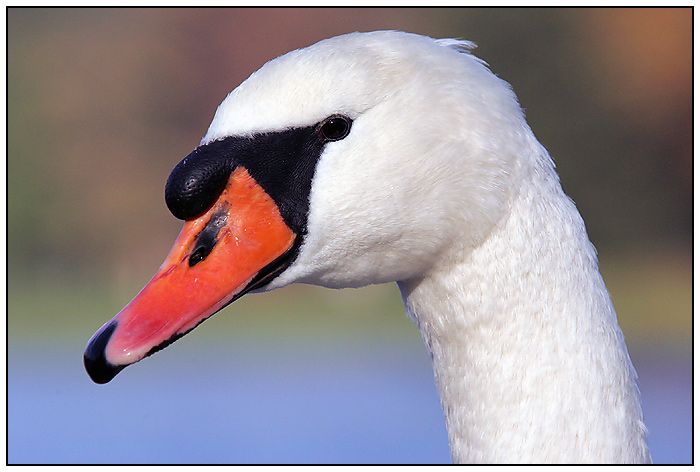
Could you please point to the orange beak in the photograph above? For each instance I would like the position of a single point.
(217, 257)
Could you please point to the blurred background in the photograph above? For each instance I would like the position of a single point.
(102, 103)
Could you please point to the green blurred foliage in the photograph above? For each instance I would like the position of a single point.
(102, 103)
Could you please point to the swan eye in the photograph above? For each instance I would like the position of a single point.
(334, 128)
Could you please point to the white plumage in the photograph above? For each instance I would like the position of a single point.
(442, 187)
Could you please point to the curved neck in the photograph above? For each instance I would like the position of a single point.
(529, 361)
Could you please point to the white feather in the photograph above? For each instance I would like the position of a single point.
(442, 187)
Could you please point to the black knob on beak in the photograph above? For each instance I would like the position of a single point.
(197, 181)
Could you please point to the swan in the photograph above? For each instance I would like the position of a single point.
(393, 157)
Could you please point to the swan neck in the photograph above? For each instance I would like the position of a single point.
(529, 361)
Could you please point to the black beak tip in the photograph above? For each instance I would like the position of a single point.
(96, 364)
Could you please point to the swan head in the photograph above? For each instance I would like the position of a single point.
(363, 159)
(429, 161)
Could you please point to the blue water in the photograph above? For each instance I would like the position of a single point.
(248, 404)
